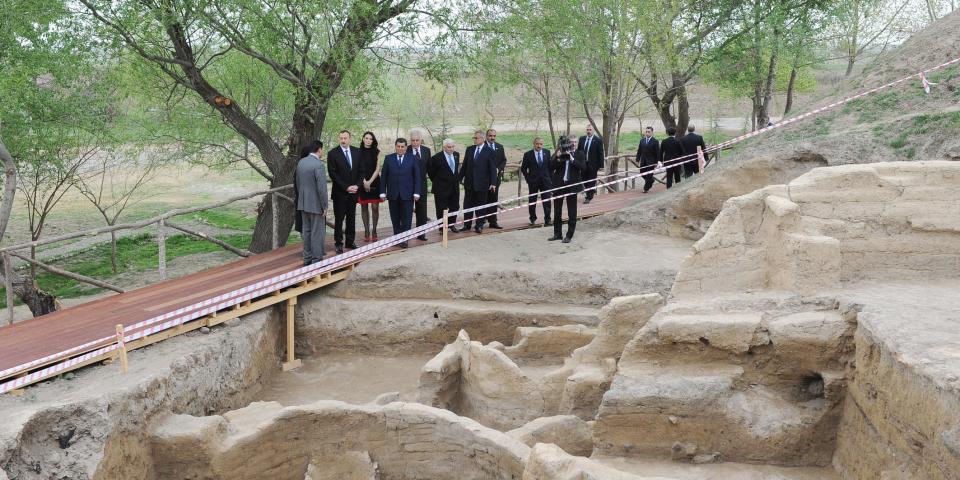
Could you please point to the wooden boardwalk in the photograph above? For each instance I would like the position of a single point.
(32, 339)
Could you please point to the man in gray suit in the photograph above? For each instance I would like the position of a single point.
(310, 184)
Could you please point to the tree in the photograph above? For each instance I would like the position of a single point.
(863, 24)
(52, 115)
(313, 47)
(111, 189)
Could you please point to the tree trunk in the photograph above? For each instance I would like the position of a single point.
(39, 302)
(683, 108)
(790, 86)
(763, 116)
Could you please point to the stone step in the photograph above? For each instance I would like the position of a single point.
(682, 411)
(421, 325)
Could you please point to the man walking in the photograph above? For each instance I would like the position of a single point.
(499, 159)
(444, 172)
(592, 147)
(421, 154)
(310, 193)
(400, 185)
(346, 177)
(567, 167)
(670, 150)
(648, 155)
(690, 143)
(479, 176)
(535, 170)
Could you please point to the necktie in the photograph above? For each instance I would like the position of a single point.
(346, 152)
(566, 172)
(400, 159)
(587, 148)
(539, 160)
(416, 153)
(477, 153)
(453, 167)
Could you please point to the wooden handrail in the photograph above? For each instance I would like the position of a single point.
(142, 223)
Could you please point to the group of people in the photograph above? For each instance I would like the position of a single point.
(401, 179)
(672, 153)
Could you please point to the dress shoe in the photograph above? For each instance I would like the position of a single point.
(586, 201)
(547, 223)
(339, 249)
(403, 244)
(555, 238)
(478, 229)
(496, 225)
(422, 238)
(466, 227)
(533, 222)
(352, 246)
(567, 239)
(454, 230)
(374, 238)
(366, 239)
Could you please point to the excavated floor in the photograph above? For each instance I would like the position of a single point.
(348, 377)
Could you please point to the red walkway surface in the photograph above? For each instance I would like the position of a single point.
(38, 337)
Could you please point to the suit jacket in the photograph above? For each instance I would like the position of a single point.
(444, 181)
(537, 176)
(310, 185)
(478, 172)
(499, 159)
(648, 153)
(594, 157)
(342, 174)
(423, 161)
(690, 143)
(578, 165)
(400, 181)
(670, 149)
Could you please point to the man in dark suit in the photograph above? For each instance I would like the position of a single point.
(670, 151)
(648, 155)
(567, 167)
(444, 171)
(421, 154)
(310, 198)
(400, 185)
(592, 147)
(479, 177)
(535, 170)
(690, 143)
(345, 173)
(499, 159)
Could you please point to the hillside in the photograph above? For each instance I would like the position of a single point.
(901, 123)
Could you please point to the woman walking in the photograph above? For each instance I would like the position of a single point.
(370, 194)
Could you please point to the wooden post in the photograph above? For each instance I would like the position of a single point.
(8, 285)
(122, 349)
(291, 362)
(162, 246)
(446, 226)
(273, 220)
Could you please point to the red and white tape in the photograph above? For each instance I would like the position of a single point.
(191, 312)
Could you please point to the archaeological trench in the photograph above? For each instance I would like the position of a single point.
(812, 332)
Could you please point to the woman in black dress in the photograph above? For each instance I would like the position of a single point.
(370, 193)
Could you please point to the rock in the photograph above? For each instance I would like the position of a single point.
(673, 419)
(385, 398)
(69, 376)
(204, 330)
(568, 432)
(706, 458)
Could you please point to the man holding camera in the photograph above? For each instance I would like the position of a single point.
(567, 167)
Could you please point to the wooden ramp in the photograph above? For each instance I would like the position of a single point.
(40, 337)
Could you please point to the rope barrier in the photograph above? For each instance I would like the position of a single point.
(191, 312)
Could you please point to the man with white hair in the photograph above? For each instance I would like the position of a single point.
(444, 172)
(421, 154)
